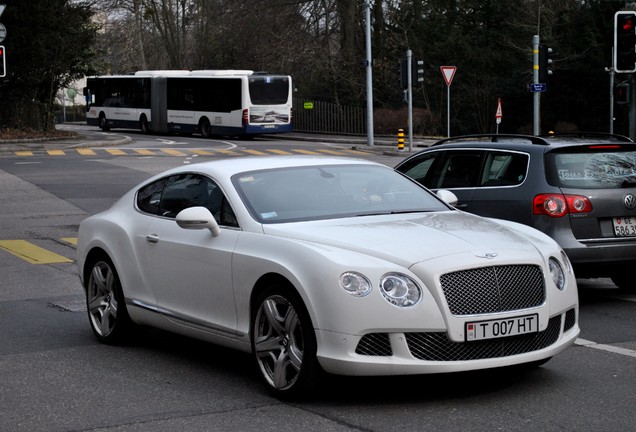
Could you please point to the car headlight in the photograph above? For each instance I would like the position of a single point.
(557, 273)
(400, 290)
(355, 284)
(566, 262)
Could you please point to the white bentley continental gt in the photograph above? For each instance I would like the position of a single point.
(320, 264)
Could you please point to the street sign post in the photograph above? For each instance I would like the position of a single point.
(498, 114)
(538, 87)
(448, 72)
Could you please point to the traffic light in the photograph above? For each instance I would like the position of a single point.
(3, 62)
(417, 71)
(545, 62)
(625, 42)
(404, 79)
(621, 93)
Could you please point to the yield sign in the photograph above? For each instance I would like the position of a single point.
(449, 73)
(499, 113)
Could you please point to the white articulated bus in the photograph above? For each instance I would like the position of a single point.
(209, 102)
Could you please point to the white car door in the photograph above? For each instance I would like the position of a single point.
(190, 271)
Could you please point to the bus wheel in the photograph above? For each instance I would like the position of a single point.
(205, 128)
(143, 124)
(103, 123)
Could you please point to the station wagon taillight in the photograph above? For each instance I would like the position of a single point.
(558, 205)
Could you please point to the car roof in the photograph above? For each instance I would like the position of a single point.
(229, 167)
(527, 142)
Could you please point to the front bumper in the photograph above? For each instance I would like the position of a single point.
(412, 353)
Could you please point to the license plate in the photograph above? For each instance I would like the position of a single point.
(624, 226)
(498, 328)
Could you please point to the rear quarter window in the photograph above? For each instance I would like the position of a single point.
(592, 168)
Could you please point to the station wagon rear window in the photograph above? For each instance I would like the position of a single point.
(597, 167)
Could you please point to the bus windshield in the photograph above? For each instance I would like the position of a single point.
(269, 90)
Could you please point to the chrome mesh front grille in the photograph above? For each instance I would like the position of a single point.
(493, 289)
(375, 344)
(437, 346)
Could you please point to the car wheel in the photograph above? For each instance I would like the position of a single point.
(107, 312)
(623, 280)
(284, 344)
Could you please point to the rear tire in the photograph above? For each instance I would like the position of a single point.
(205, 128)
(284, 344)
(143, 125)
(107, 313)
(103, 123)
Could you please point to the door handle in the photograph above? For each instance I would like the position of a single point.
(152, 238)
(458, 206)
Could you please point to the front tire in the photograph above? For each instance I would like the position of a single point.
(103, 123)
(143, 125)
(205, 128)
(107, 312)
(284, 344)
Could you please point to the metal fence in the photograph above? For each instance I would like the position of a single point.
(327, 117)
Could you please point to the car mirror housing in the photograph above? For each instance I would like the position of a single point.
(198, 218)
(447, 196)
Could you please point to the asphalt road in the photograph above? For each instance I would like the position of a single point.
(54, 376)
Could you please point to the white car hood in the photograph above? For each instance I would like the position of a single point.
(409, 239)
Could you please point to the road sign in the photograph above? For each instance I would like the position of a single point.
(499, 113)
(308, 105)
(539, 87)
(449, 73)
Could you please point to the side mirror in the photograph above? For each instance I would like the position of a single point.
(198, 218)
(448, 197)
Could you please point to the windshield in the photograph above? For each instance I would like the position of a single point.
(327, 192)
(594, 169)
(269, 90)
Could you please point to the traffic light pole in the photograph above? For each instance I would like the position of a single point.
(536, 120)
(409, 81)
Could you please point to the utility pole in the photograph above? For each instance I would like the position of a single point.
(536, 121)
(369, 64)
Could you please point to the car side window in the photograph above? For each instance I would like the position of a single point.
(167, 197)
(419, 167)
(149, 197)
(460, 169)
(504, 169)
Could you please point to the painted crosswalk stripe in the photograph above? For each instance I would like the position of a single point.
(86, 152)
(280, 152)
(173, 152)
(144, 152)
(255, 152)
(604, 347)
(70, 240)
(24, 153)
(333, 152)
(32, 253)
(55, 152)
(229, 152)
(116, 152)
(202, 152)
(307, 152)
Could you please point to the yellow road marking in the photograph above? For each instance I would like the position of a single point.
(355, 151)
(202, 152)
(229, 152)
(86, 152)
(55, 152)
(280, 152)
(173, 152)
(255, 152)
(32, 253)
(70, 240)
(24, 153)
(144, 152)
(333, 152)
(116, 152)
(307, 152)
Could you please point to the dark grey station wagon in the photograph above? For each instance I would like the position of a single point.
(580, 189)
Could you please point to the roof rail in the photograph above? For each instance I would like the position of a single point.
(495, 138)
(617, 137)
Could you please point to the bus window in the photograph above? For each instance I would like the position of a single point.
(269, 90)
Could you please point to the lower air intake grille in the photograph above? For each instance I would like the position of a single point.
(570, 320)
(493, 289)
(437, 346)
(374, 344)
